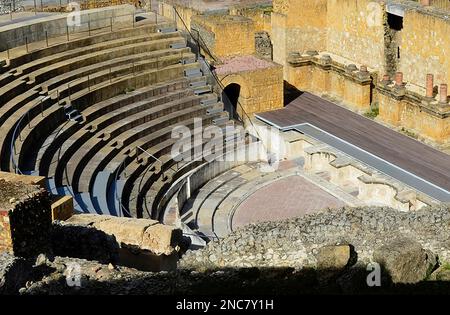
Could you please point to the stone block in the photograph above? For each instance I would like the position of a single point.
(405, 260)
(161, 239)
(126, 230)
(333, 257)
(62, 208)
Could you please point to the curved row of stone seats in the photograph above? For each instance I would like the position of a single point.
(148, 160)
(78, 109)
(133, 171)
(87, 93)
(25, 88)
(19, 80)
(154, 190)
(127, 133)
(93, 175)
(208, 211)
(145, 182)
(107, 126)
(176, 198)
(16, 106)
(46, 53)
(72, 135)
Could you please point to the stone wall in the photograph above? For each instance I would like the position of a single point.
(261, 83)
(140, 243)
(401, 107)
(425, 47)
(231, 35)
(356, 31)
(26, 219)
(259, 15)
(323, 74)
(298, 26)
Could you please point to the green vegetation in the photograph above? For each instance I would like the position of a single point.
(128, 90)
(409, 133)
(446, 266)
(372, 113)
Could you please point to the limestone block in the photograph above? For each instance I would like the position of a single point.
(161, 239)
(126, 230)
(333, 257)
(62, 208)
(87, 219)
(405, 260)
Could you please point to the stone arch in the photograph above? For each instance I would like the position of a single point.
(236, 84)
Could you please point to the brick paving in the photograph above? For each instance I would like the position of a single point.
(289, 197)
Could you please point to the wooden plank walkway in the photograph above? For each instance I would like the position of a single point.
(394, 147)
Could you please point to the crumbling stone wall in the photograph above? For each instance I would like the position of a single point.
(263, 45)
(26, 219)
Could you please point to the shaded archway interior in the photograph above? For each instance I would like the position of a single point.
(230, 98)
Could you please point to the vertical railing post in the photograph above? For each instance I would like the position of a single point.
(10, 10)
(20, 133)
(46, 38)
(35, 8)
(134, 18)
(89, 26)
(67, 32)
(110, 18)
(26, 42)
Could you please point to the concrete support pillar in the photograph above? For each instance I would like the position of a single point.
(399, 79)
(430, 85)
(443, 92)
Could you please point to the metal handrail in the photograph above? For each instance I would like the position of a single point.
(10, 44)
(18, 130)
(118, 199)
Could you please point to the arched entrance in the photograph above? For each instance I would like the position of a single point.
(230, 97)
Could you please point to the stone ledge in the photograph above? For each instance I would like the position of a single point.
(142, 234)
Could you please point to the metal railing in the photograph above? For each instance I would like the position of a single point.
(18, 129)
(58, 35)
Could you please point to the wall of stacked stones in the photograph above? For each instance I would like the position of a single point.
(26, 225)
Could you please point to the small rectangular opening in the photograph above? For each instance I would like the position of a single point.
(395, 22)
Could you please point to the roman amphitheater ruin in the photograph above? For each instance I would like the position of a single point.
(135, 131)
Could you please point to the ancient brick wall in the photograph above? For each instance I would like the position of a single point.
(5, 232)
